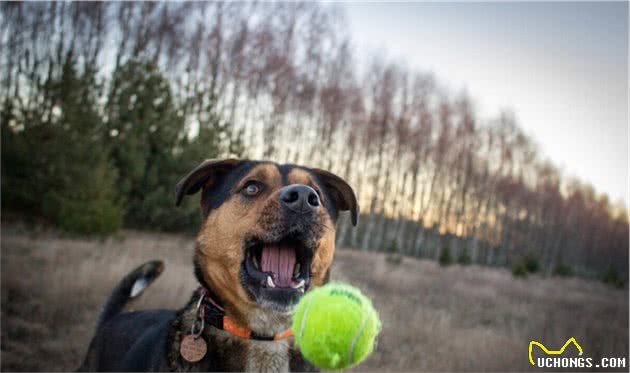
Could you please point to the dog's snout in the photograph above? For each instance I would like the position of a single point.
(299, 198)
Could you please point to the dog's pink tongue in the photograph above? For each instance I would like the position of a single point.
(279, 260)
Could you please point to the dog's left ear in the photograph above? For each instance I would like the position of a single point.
(340, 191)
(206, 175)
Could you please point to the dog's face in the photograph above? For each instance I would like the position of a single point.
(269, 230)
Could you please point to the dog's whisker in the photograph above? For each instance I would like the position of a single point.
(323, 225)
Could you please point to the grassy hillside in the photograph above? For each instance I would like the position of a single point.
(434, 319)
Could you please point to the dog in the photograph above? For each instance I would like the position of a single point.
(267, 237)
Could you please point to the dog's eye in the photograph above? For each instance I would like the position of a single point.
(251, 189)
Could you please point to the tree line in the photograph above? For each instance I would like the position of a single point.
(106, 105)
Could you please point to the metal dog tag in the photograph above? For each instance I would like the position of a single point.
(193, 348)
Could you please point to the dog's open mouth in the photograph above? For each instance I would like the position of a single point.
(277, 270)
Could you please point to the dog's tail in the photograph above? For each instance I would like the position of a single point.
(130, 287)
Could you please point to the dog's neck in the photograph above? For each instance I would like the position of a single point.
(269, 321)
(260, 319)
(244, 354)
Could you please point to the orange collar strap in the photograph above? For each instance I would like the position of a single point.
(233, 328)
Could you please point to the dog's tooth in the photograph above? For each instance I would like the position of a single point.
(255, 262)
(270, 282)
(296, 270)
(300, 285)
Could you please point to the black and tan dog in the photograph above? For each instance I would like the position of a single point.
(268, 237)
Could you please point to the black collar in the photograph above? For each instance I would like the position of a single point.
(211, 312)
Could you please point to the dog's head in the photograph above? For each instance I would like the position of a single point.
(269, 230)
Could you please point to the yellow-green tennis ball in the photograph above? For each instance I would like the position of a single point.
(335, 326)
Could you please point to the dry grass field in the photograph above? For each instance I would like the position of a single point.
(434, 319)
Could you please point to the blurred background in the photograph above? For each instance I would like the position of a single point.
(487, 143)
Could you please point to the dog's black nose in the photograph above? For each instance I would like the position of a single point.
(299, 198)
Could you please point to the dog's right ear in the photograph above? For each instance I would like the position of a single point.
(206, 175)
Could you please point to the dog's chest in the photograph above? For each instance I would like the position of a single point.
(267, 356)
(231, 353)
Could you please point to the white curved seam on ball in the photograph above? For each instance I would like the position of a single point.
(308, 305)
(355, 339)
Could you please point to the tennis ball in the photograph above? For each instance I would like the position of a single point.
(335, 326)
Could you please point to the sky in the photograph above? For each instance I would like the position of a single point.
(562, 68)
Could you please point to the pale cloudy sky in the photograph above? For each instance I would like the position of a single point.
(561, 67)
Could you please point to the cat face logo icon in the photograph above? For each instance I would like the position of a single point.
(553, 352)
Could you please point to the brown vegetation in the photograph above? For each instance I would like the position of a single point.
(465, 318)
